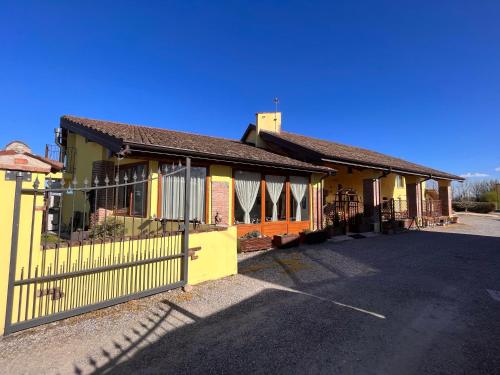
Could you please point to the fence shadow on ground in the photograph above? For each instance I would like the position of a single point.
(283, 331)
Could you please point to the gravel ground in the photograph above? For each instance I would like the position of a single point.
(412, 303)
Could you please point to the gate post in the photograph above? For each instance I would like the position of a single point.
(13, 249)
(185, 238)
(18, 170)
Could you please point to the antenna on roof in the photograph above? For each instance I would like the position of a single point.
(276, 102)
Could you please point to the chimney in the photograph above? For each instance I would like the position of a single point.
(269, 122)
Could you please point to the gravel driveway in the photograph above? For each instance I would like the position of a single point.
(412, 303)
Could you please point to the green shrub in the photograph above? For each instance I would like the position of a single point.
(253, 234)
(490, 196)
(109, 228)
(478, 207)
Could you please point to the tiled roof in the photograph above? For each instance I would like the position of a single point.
(26, 161)
(146, 137)
(341, 152)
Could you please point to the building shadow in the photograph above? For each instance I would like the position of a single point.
(408, 303)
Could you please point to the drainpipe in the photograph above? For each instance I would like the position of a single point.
(57, 140)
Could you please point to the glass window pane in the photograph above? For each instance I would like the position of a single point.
(247, 208)
(280, 206)
(299, 189)
(255, 212)
(173, 195)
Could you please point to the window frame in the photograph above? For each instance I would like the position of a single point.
(285, 187)
(400, 181)
(307, 196)
(127, 211)
(288, 195)
(208, 180)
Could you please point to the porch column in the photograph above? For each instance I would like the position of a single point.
(445, 197)
(317, 201)
(371, 201)
(414, 198)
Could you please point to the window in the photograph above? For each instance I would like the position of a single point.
(275, 198)
(172, 193)
(247, 186)
(132, 198)
(299, 187)
(400, 182)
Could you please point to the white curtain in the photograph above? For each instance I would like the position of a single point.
(298, 186)
(173, 195)
(246, 185)
(274, 185)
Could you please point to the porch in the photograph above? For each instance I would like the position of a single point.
(362, 199)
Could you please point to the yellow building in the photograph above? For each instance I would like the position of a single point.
(368, 185)
(116, 224)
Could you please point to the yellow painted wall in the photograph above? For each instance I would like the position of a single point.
(7, 192)
(352, 180)
(267, 121)
(217, 257)
(389, 189)
(355, 179)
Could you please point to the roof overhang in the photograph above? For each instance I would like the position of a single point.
(389, 169)
(139, 148)
(111, 143)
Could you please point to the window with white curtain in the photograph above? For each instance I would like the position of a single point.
(299, 188)
(173, 194)
(247, 208)
(400, 182)
(275, 198)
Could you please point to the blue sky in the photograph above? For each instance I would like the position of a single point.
(414, 79)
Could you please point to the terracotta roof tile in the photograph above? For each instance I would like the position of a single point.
(189, 143)
(342, 152)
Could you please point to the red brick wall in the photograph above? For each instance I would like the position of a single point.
(414, 199)
(445, 197)
(98, 216)
(220, 202)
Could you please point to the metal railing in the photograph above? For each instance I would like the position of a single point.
(95, 257)
(64, 155)
(346, 212)
(431, 208)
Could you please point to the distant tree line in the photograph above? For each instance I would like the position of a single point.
(476, 195)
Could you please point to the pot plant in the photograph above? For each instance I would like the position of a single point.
(284, 241)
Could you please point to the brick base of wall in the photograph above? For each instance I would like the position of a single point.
(255, 244)
(220, 202)
(98, 216)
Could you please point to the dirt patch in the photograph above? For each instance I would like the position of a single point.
(184, 297)
(255, 268)
(293, 264)
(289, 263)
